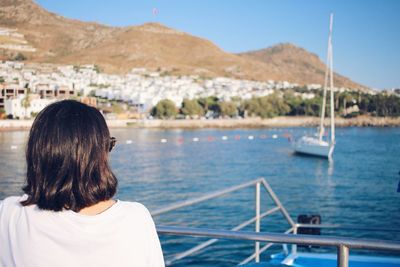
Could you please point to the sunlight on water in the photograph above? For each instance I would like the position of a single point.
(358, 187)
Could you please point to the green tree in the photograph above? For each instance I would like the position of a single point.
(380, 104)
(164, 109)
(117, 108)
(346, 98)
(191, 107)
(210, 104)
(267, 106)
(301, 107)
(386, 105)
(279, 105)
(228, 109)
(97, 69)
(92, 93)
(236, 99)
(26, 101)
(259, 106)
(294, 102)
(364, 104)
(313, 106)
(34, 114)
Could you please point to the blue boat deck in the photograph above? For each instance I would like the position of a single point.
(327, 260)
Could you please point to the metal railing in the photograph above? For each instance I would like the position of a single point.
(343, 244)
(346, 227)
(256, 219)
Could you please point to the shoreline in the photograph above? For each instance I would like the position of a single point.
(277, 122)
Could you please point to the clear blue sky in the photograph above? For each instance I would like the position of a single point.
(366, 38)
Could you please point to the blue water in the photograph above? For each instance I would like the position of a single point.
(357, 188)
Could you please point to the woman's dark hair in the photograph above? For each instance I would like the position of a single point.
(67, 158)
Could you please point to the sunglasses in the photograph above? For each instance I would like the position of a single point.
(113, 140)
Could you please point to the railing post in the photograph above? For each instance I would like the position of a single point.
(257, 223)
(342, 256)
(294, 246)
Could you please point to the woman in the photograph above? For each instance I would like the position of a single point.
(67, 216)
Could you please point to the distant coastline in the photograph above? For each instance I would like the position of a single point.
(277, 122)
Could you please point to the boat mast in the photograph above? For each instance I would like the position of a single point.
(321, 125)
(328, 73)
(331, 83)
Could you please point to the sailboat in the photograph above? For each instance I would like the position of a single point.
(316, 145)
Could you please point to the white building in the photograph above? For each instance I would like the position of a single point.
(15, 107)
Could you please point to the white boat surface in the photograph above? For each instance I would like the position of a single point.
(314, 146)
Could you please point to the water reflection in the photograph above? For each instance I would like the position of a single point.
(324, 168)
(331, 167)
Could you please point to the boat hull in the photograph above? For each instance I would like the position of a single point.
(313, 147)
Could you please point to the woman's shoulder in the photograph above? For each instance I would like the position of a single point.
(133, 206)
(12, 202)
(9, 206)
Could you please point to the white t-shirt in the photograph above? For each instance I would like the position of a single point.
(123, 235)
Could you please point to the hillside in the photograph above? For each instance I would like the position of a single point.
(46, 37)
(296, 62)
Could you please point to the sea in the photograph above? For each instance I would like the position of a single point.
(161, 167)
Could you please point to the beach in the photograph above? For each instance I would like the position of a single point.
(285, 121)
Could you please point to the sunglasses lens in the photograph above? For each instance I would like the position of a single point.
(112, 143)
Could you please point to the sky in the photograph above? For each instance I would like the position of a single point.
(366, 33)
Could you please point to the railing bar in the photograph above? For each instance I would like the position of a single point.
(277, 202)
(248, 259)
(269, 212)
(215, 194)
(262, 215)
(345, 227)
(267, 246)
(264, 248)
(284, 238)
(212, 241)
(192, 250)
(251, 257)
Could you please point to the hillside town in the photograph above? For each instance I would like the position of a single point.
(28, 88)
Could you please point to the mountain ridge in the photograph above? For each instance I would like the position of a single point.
(295, 61)
(61, 40)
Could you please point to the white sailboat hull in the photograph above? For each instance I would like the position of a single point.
(314, 147)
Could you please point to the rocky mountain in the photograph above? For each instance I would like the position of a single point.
(42, 36)
(296, 62)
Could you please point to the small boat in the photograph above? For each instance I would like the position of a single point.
(316, 145)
